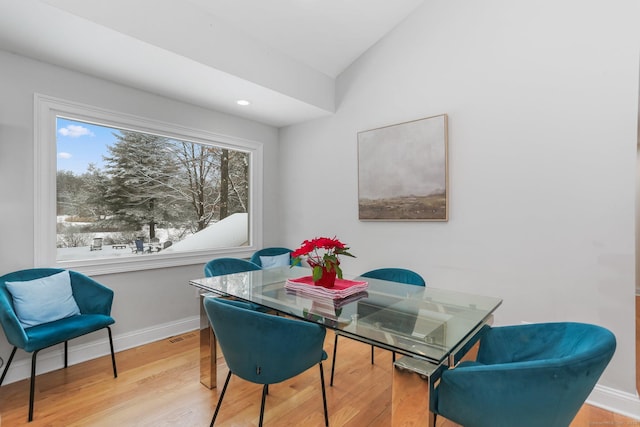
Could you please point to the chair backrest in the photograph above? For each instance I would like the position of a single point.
(263, 348)
(269, 252)
(541, 342)
(90, 296)
(221, 266)
(401, 275)
(527, 375)
(375, 308)
(12, 327)
(166, 244)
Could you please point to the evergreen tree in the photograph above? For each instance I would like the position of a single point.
(96, 185)
(142, 169)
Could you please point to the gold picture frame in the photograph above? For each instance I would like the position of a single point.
(403, 171)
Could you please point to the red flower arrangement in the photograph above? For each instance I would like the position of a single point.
(322, 255)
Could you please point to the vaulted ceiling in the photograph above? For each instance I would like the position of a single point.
(281, 55)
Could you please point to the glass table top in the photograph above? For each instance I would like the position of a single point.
(421, 322)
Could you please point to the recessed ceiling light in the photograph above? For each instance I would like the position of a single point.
(243, 102)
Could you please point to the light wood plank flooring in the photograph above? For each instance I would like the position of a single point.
(158, 385)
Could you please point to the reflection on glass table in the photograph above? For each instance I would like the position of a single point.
(431, 327)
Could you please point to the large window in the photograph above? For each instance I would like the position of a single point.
(118, 192)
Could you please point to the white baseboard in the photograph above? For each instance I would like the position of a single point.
(627, 404)
(54, 359)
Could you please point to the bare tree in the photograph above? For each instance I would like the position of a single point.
(201, 166)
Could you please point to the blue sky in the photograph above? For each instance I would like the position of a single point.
(79, 144)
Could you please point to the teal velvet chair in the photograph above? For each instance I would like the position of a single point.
(93, 301)
(222, 266)
(269, 252)
(526, 375)
(264, 349)
(401, 275)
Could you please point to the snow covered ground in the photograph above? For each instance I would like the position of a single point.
(232, 231)
(83, 252)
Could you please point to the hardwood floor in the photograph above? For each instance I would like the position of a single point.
(158, 385)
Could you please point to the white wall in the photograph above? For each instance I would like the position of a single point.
(148, 304)
(542, 99)
(638, 208)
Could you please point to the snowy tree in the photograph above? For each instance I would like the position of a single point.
(200, 165)
(70, 194)
(158, 180)
(214, 182)
(224, 184)
(142, 169)
(238, 198)
(96, 185)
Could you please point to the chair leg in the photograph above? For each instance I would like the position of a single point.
(333, 363)
(394, 356)
(372, 355)
(113, 355)
(33, 384)
(324, 396)
(6, 368)
(265, 388)
(224, 389)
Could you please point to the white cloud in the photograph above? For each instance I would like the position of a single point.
(63, 155)
(75, 131)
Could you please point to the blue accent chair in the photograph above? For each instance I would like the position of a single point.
(222, 266)
(94, 301)
(401, 275)
(255, 258)
(526, 375)
(264, 349)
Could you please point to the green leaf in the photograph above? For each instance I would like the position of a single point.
(317, 273)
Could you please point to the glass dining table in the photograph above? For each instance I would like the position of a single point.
(431, 329)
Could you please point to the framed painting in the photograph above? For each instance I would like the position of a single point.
(403, 171)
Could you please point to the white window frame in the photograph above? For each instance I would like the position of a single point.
(46, 111)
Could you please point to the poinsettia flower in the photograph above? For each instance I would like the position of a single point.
(321, 254)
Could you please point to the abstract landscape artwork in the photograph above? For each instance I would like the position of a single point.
(402, 171)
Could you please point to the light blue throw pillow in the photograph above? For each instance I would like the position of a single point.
(43, 300)
(275, 261)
